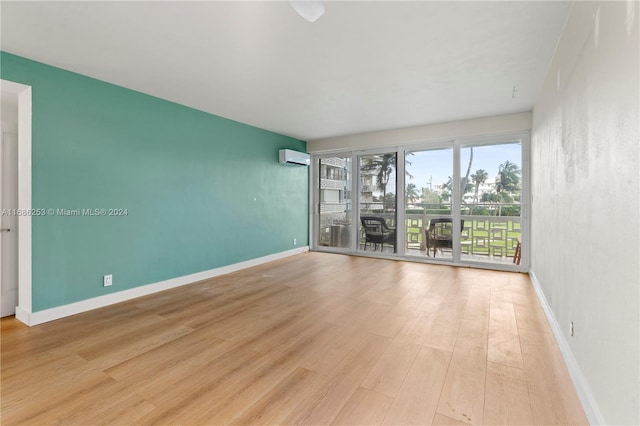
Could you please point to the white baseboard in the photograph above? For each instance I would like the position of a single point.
(582, 387)
(35, 318)
(22, 315)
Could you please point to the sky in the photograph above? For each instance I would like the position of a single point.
(438, 164)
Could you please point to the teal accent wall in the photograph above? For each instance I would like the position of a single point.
(201, 191)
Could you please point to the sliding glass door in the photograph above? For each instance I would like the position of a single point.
(428, 196)
(491, 202)
(377, 202)
(334, 202)
(460, 202)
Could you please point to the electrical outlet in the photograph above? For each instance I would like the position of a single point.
(295, 241)
(571, 328)
(107, 280)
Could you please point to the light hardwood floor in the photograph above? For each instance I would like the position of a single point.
(312, 339)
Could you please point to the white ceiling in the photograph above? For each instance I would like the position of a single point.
(363, 66)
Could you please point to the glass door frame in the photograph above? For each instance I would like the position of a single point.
(399, 169)
(315, 202)
(429, 146)
(456, 143)
(525, 197)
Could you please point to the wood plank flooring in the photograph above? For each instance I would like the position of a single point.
(313, 339)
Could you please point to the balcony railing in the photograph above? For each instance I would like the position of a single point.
(482, 235)
(485, 232)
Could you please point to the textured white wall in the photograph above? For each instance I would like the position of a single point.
(507, 123)
(585, 230)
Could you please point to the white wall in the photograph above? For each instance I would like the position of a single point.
(508, 123)
(585, 228)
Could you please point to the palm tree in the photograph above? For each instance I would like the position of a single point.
(412, 193)
(465, 186)
(447, 189)
(508, 179)
(464, 181)
(478, 178)
(383, 165)
(490, 197)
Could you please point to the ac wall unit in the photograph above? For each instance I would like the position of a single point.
(289, 156)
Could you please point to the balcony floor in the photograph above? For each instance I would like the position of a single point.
(444, 254)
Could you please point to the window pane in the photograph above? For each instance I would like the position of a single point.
(428, 203)
(335, 201)
(492, 182)
(378, 202)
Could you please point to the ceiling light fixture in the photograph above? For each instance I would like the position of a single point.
(310, 10)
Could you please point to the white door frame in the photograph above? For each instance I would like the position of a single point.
(23, 310)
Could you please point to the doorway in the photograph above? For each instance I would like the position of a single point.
(15, 263)
(491, 201)
(428, 202)
(377, 202)
(9, 209)
(334, 201)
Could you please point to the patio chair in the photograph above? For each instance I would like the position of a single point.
(518, 254)
(377, 232)
(439, 235)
